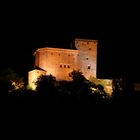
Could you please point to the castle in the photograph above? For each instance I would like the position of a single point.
(60, 62)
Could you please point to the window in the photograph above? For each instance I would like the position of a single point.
(51, 53)
(64, 66)
(89, 48)
(88, 67)
(59, 54)
(60, 66)
(86, 58)
(68, 66)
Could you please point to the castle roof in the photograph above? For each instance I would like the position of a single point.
(55, 49)
(81, 39)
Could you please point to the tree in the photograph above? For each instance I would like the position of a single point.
(64, 87)
(10, 81)
(99, 89)
(118, 94)
(45, 85)
(80, 85)
(77, 76)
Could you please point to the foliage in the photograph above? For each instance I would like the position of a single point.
(9, 80)
(64, 87)
(80, 85)
(77, 76)
(118, 94)
(117, 85)
(98, 81)
(105, 83)
(45, 84)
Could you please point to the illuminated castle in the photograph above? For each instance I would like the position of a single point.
(60, 62)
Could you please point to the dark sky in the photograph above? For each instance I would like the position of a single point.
(24, 30)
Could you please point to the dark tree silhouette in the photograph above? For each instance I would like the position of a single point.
(64, 88)
(46, 85)
(80, 85)
(118, 95)
(10, 81)
(77, 76)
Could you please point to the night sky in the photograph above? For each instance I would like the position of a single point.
(23, 31)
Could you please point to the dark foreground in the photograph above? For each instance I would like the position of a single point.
(69, 116)
(35, 103)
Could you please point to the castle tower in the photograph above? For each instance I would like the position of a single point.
(87, 56)
(60, 62)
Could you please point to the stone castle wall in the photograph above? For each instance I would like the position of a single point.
(87, 57)
(60, 62)
(32, 77)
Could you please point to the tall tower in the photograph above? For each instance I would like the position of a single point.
(87, 56)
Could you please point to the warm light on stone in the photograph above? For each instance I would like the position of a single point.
(60, 62)
(32, 77)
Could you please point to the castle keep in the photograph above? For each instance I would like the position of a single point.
(60, 62)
